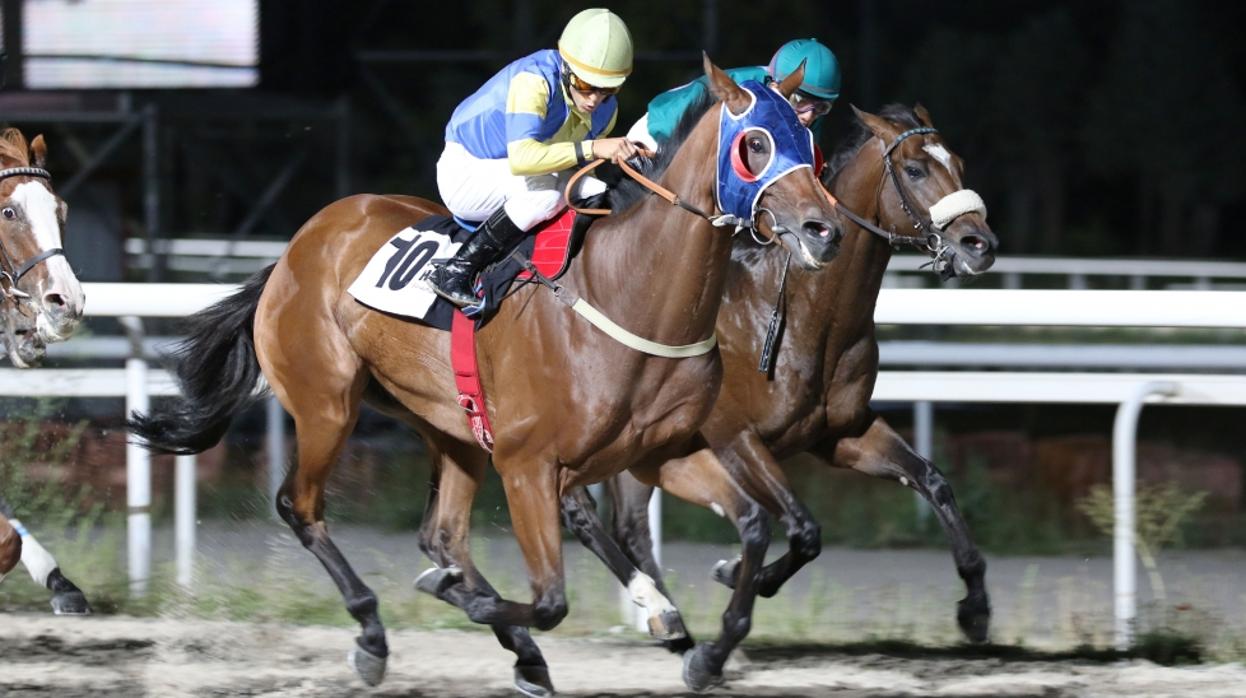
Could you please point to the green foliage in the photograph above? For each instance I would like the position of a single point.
(1160, 510)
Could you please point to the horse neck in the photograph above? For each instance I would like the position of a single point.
(838, 301)
(659, 270)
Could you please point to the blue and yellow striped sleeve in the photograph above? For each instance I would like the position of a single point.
(526, 110)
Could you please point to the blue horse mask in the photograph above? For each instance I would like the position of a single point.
(738, 189)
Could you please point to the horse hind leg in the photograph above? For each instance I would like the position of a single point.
(881, 452)
(457, 473)
(325, 412)
(664, 620)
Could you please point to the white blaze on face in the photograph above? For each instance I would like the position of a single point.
(39, 206)
(938, 152)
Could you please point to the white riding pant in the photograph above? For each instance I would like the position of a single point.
(473, 188)
(639, 133)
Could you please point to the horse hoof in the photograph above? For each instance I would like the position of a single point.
(697, 673)
(667, 626)
(532, 680)
(70, 603)
(725, 572)
(370, 667)
(436, 580)
(974, 617)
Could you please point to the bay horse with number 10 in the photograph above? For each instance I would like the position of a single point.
(570, 405)
(896, 174)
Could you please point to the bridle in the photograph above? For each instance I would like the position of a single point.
(12, 272)
(949, 208)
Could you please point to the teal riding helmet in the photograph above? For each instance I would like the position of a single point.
(821, 67)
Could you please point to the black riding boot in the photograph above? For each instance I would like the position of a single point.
(453, 280)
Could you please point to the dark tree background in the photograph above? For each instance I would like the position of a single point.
(1108, 127)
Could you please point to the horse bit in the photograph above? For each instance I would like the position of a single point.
(11, 272)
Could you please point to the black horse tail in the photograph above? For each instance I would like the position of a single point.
(217, 372)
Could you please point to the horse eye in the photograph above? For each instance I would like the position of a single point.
(9, 213)
(755, 145)
(913, 172)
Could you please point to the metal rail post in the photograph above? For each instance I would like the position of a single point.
(1124, 561)
(137, 465)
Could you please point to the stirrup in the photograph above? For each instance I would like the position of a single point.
(438, 281)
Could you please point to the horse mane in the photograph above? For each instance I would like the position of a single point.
(13, 146)
(628, 191)
(896, 113)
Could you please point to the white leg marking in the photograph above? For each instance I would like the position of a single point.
(645, 594)
(38, 561)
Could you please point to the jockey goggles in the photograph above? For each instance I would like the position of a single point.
(803, 105)
(579, 85)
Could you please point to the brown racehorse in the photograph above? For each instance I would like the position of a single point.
(10, 547)
(41, 302)
(816, 396)
(571, 406)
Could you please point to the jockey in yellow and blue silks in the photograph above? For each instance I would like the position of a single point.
(812, 100)
(510, 145)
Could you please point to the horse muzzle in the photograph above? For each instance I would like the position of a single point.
(971, 247)
(60, 312)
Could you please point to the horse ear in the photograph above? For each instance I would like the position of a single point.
(922, 115)
(790, 83)
(723, 87)
(39, 149)
(880, 126)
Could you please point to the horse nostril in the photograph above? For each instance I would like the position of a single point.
(975, 244)
(815, 228)
(55, 301)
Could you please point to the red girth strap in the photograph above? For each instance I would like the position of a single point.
(467, 378)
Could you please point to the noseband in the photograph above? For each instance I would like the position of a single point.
(13, 272)
(943, 212)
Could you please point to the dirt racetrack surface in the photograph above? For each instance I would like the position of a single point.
(117, 656)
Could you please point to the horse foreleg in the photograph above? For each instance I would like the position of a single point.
(882, 453)
(629, 504)
(457, 474)
(10, 547)
(702, 479)
(532, 497)
(67, 598)
(752, 464)
(580, 517)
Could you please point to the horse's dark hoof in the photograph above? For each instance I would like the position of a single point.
(70, 603)
(436, 580)
(973, 614)
(532, 680)
(697, 673)
(725, 572)
(368, 666)
(667, 625)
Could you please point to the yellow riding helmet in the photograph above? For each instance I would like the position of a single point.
(598, 47)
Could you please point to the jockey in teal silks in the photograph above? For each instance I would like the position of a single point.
(812, 100)
(511, 145)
